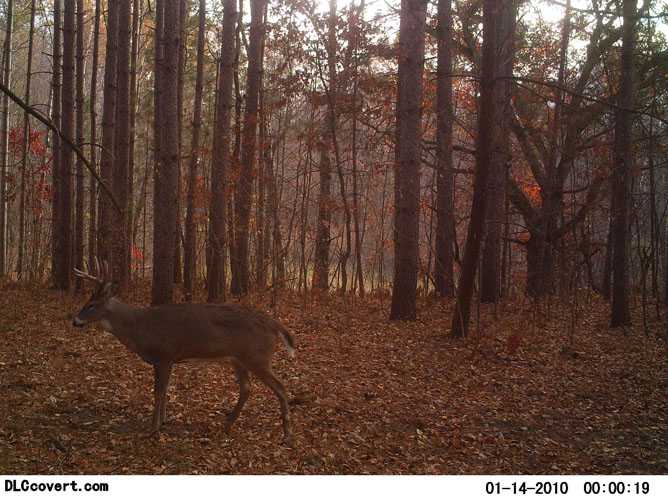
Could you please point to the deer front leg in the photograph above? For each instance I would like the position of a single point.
(161, 373)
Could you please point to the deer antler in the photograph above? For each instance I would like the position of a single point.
(101, 272)
(86, 276)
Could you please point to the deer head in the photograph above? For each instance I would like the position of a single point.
(97, 306)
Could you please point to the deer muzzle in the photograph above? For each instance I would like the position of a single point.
(77, 322)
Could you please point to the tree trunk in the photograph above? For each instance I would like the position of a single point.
(63, 229)
(356, 209)
(4, 126)
(165, 199)
(178, 241)
(325, 146)
(445, 217)
(620, 315)
(121, 267)
(105, 227)
(236, 156)
(92, 207)
(56, 86)
(190, 251)
(132, 219)
(490, 290)
(244, 189)
(26, 149)
(408, 153)
(79, 210)
(264, 156)
(221, 156)
(461, 315)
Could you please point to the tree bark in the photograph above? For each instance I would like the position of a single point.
(92, 201)
(190, 254)
(325, 146)
(490, 289)
(178, 240)
(26, 149)
(4, 126)
(445, 217)
(63, 230)
(132, 218)
(105, 225)
(408, 153)
(461, 315)
(165, 199)
(244, 187)
(56, 86)
(221, 156)
(620, 315)
(120, 244)
(80, 124)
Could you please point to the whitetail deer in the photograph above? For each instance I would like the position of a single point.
(168, 334)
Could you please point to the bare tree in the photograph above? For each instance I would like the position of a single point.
(221, 155)
(461, 314)
(92, 201)
(166, 177)
(445, 218)
(4, 130)
(108, 131)
(621, 180)
(55, 119)
(120, 264)
(80, 124)
(62, 233)
(490, 279)
(244, 187)
(408, 152)
(190, 255)
(26, 147)
(325, 147)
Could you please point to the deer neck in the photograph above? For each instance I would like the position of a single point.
(120, 321)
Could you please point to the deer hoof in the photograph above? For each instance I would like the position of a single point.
(287, 441)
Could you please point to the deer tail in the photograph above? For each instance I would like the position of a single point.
(288, 341)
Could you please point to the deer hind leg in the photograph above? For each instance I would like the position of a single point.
(268, 378)
(244, 392)
(160, 384)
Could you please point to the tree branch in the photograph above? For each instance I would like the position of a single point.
(31, 111)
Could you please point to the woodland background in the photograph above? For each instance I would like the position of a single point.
(386, 178)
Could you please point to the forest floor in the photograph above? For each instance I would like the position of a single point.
(546, 389)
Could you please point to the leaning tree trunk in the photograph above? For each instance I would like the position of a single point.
(461, 315)
(190, 252)
(620, 314)
(221, 155)
(407, 167)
